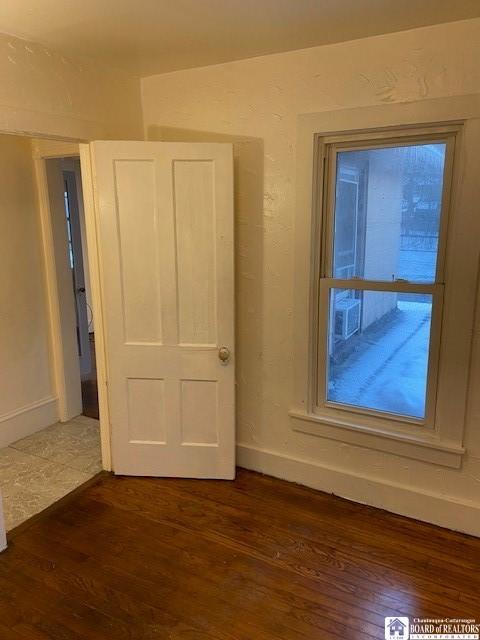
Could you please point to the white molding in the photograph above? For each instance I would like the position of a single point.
(43, 148)
(51, 285)
(420, 446)
(96, 275)
(27, 420)
(444, 511)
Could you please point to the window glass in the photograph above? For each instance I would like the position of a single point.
(387, 212)
(378, 349)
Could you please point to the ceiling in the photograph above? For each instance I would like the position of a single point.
(146, 37)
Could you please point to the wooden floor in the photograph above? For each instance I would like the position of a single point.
(89, 386)
(254, 559)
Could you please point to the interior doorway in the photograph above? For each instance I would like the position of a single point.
(51, 436)
(74, 335)
(77, 257)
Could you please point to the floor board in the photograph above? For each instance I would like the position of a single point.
(89, 385)
(257, 558)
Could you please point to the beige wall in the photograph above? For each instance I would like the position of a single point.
(25, 377)
(255, 103)
(46, 93)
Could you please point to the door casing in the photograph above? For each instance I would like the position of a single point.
(42, 151)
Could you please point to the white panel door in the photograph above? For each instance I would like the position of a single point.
(165, 232)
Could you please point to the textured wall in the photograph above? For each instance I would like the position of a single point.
(255, 104)
(24, 348)
(44, 92)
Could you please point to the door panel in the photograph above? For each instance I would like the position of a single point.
(194, 197)
(165, 224)
(146, 410)
(138, 240)
(199, 421)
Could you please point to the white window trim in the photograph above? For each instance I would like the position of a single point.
(442, 444)
(327, 166)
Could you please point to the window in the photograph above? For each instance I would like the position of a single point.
(387, 239)
(381, 283)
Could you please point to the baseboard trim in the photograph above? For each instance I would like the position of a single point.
(27, 420)
(436, 509)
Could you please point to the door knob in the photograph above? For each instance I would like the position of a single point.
(224, 354)
(80, 289)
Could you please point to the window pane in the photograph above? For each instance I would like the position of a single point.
(387, 212)
(378, 343)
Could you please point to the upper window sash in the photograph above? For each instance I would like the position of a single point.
(330, 152)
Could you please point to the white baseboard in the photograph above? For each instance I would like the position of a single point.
(28, 419)
(429, 507)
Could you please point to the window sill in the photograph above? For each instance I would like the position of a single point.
(425, 447)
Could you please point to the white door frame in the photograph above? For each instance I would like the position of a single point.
(42, 151)
(94, 267)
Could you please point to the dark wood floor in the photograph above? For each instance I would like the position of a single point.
(254, 559)
(89, 386)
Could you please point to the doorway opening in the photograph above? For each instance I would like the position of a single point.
(78, 262)
(50, 436)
